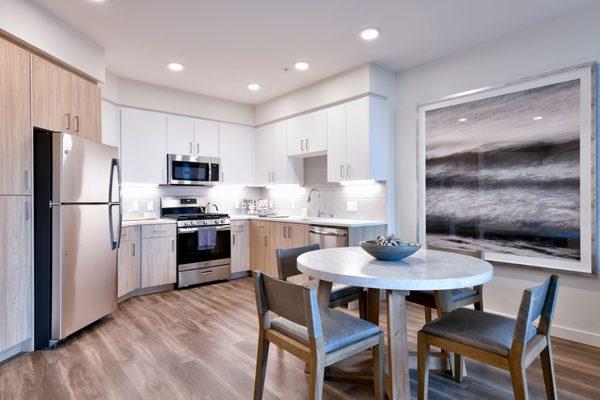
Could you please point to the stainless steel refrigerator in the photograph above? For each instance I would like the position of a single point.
(78, 217)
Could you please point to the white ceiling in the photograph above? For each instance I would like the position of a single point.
(228, 43)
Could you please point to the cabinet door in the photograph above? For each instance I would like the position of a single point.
(85, 108)
(264, 155)
(286, 170)
(236, 150)
(143, 146)
(239, 246)
(316, 132)
(258, 245)
(15, 118)
(111, 124)
(159, 261)
(336, 143)
(180, 135)
(206, 137)
(278, 239)
(297, 235)
(127, 278)
(357, 139)
(15, 270)
(51, 96)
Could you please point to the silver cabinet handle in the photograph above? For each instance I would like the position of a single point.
(341, 171)
(173, 245)
(133, 249)
(289, 232)
(266, 242)
(68, 121)
(284, 231)
(302, 145)
(306, 141)
(272, 176)
(233, 239)
(197, 148)
(27, 180)
(222, 176)
(27, 211)
(348, 171)
(191, 147)
(76, 123)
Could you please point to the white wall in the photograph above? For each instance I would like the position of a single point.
(556, 44)
(32, 24)
(138, 94)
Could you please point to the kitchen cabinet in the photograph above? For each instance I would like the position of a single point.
(193, 137)
(273, 166)
(240, 259)
(127, 276)
(358, 137)
(307, 134)
(111, 124)
(15, 270)
(236, 150)
(143, 146)
(63, 101)
(159, 259)
(15, 120)
(259, 244)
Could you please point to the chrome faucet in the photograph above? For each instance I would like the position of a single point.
(320, 213)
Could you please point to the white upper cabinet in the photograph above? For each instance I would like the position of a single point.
(206, 137)
(111, 124)
(307, 134)
(236, 150)
(358, 140)
(143, 146)
(180, 135)
(273, 166)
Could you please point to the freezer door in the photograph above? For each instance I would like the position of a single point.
(82, 170)
(84, 267)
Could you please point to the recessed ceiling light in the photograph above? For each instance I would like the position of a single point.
(301, 65)
(538, 118)
(369, 33)
(175, 66)
(253, 86)
(462, 120)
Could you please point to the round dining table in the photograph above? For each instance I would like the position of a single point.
(424, 270)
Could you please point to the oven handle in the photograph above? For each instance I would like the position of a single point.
(190, 230)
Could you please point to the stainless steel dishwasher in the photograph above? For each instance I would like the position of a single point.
(328, 236)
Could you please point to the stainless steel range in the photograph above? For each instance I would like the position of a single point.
(203, 241)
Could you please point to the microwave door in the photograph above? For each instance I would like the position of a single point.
(184, 170)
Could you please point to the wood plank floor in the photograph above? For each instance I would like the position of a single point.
(200, 343)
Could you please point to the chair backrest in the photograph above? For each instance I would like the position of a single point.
(538, 301)
(286, 260)
(473, 253)
(293, 302)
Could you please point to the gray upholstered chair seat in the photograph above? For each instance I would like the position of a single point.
(338, 290)
(427, 296)
(339, 329)
(489, 332)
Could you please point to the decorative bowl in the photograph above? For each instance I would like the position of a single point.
(389, 253)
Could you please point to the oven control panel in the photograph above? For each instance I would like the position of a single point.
(204, 222)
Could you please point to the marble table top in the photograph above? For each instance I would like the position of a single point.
(424, 270)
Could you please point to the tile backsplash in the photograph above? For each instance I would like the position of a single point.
(370, 200)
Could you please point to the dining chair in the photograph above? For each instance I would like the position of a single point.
(287, 267)
(500, 341)
(318, 337)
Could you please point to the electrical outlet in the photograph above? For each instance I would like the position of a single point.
(351, 206)
(150, 206)
(135, 206)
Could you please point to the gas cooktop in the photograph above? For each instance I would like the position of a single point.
(193, 216)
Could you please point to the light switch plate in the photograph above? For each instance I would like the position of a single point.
(351, 206)
(135, 206)
(150, 206)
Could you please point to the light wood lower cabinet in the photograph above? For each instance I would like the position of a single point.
(127, 262)
(259, 245)
(15, 270)
(15, 120)
(159, 256)
(240, 260)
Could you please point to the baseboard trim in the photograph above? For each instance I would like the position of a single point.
(563, 332)
(240, 274)
(16, 350)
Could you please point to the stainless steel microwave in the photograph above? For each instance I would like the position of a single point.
(192, 170)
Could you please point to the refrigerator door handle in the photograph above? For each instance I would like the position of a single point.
(115, 244)
(114, 164)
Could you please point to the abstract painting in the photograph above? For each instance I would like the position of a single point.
(511, 171)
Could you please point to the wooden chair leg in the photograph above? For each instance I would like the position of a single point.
(261, 367)
(306, 368)
(519, 379)
(317, 377)
(379, 368)
(458, 367)
(423, 365)
(427, 314)
(362, 306)
(548, 370)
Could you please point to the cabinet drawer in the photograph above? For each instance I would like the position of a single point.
(150, 231)
(239, 226)
(128, 234)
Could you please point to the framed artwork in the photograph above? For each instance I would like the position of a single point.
(511, 170)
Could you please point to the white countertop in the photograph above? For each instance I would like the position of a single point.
(424, 270)
(148, 221)
(350, 223)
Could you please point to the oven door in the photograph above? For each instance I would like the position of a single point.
(188, 170)
(188, 255)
